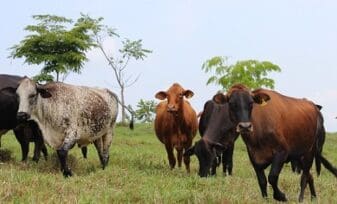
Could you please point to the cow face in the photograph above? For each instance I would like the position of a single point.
(240, 102)
(175, 97)
(28, 93)
(206, 153)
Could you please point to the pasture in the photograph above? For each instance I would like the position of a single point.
(138, 172)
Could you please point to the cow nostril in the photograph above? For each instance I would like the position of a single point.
(22, 116)
(245, 126)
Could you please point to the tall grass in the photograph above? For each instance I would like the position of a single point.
(138, 172)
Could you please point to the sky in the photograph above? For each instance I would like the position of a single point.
(298, 35)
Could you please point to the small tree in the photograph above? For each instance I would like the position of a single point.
(118, 62)
(50, 43)
(146, 111)
(252, 73)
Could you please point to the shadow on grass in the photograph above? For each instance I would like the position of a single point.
(6, 155)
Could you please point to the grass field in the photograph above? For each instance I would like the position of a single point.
(138, 172)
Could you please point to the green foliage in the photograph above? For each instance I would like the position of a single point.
(252, 73)
(146, 111)
(138, 172)
(60, 49)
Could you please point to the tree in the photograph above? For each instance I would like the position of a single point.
(118, 62)
(146, 111)
(252, 73)
(50, 43)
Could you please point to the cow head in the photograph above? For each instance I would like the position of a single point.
(240, 100)
(28, 93)
(206, 152)
(175, 97)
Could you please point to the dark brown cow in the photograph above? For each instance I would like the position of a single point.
(176, 123)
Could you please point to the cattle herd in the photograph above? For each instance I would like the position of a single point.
(276, 129)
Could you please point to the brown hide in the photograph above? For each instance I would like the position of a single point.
(284, 123)
(176, 129)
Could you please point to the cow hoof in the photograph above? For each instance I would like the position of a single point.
(280, 197)
(67, 173)
(36, 159)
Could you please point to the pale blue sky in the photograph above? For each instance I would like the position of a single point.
(298, 35)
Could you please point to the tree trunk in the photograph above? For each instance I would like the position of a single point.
(57, 76)
(123, 105)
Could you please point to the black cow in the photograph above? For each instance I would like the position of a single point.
(24, 133)
(210, 120)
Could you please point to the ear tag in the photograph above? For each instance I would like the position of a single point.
(263, 103)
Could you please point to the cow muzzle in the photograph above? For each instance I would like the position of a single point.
(22, 117)
(171, 108)
(244, 127)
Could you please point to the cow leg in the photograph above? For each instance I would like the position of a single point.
(276, 167)
(187, 159)
(38, 141)
(19, 134)
(261, 178)
(44, 151)
(307, 178)
(99, 147)
(84, 151)
(179, 156)
(227, 159)
(63, 154)
(215, 165)
(170, 155)
(107, 139)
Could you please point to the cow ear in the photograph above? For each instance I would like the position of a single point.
(161, 95)
(10, 91)
(319, 107)
(260, 97)
(43, 92)
(188, 93)
(189, 151)
(220, 98)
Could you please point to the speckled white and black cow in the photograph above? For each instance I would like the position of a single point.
(69, 114)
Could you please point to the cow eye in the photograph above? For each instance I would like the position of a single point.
(31, 96)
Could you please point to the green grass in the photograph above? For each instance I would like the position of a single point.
(138, 172)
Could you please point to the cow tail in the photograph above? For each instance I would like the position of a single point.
(131, 125)
(128, 108)
(328, 165)
(319, 159)
(320, 138)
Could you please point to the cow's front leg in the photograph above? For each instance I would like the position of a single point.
(19, 134)
(62, 153)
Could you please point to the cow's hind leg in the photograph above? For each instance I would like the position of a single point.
(107, 140)
(99, 147)
(307, 178)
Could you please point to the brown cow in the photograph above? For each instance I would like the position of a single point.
(282, 130)
(176, 123)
